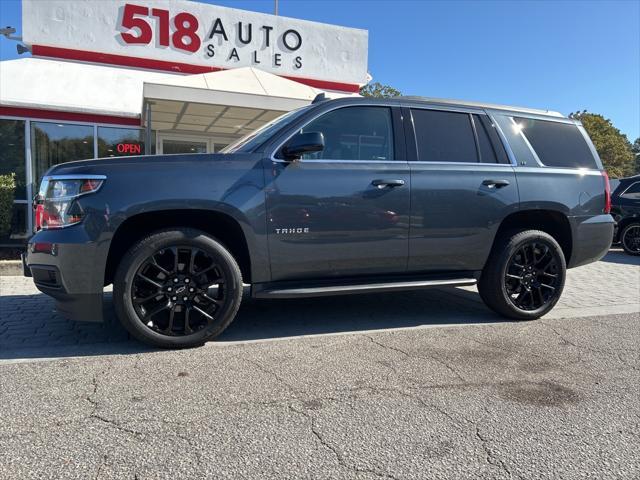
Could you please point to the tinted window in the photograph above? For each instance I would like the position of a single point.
(354, 133)
(632, 192)
(444, 136)
(557, 144)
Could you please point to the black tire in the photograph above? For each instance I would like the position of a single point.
(512, 285)
(630, 238)
(187, 319)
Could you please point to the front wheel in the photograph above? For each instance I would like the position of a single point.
(177, 288)
(524, 276)
(630, 239)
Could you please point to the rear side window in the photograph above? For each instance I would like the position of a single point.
(632, 192)
(444, 136)
(557, 144)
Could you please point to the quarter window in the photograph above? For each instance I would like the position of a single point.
(444, 136)
(633, 192)
(557, 144)
(354, 133)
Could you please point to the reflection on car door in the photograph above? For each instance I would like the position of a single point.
(327, 216)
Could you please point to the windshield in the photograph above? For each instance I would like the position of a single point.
(250, 141)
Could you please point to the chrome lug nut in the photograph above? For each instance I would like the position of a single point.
(185, 298)
(174, 298)
(192, 289)
(169, 289)
(186, 280)
(175, 280)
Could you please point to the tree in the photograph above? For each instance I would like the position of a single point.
(612, 145)
(377, 90)
(635, 148)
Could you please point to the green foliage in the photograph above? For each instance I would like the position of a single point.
(7, 188)
(377, 90)
(635, 148)
(612, 145)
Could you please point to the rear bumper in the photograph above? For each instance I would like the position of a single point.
(592, 238)
(64, 265)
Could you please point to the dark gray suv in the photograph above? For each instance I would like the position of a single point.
(343, 196)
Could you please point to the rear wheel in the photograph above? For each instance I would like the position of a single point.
(630, 239)
(524, 276)
(177, 288)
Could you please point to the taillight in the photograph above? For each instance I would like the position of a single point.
(56, 204)
(607, 193)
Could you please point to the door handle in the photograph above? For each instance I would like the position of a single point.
(495, 183)
(387, 182)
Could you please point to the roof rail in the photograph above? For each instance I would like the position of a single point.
(494, 106)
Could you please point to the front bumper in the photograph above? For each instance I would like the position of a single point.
(592, 238)
(65, 265)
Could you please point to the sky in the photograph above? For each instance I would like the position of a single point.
(565, 55)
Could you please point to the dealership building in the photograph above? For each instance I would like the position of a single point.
(126, 77)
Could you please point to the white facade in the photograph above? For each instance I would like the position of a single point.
(105, 74)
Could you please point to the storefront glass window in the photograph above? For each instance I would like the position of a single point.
(53, 143)
(121, 142)
(12, 154)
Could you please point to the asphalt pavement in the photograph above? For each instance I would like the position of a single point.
(412, 385)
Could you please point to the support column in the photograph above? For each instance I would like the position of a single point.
(148, 136)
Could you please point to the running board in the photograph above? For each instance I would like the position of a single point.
(360, 288)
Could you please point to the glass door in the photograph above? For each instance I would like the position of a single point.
(168, 144)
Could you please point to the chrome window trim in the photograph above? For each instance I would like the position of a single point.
(273, 158)
(490, 164)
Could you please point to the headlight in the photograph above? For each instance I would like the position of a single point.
(56, 205)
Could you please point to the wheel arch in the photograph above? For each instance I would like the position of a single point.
(552, 222)
(221, 225)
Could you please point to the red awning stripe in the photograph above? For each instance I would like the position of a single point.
(68, 116)
(177, 67)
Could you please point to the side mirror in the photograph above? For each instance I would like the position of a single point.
(302, 143)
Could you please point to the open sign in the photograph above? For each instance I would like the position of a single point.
(129, 148)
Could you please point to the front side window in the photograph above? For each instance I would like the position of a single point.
(354, 133)
(444, 136)
(557, 144)
(53, 143)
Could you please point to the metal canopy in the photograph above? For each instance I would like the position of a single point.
(229, 103)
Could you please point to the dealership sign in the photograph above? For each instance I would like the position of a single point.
(191, 37)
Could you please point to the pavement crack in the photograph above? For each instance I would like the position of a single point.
(273, 374)
(342, 461)
(491, 457)
(101, 466)
(408, 355)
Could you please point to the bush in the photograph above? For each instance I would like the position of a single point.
(7, 187)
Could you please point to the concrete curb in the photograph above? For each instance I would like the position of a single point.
(10, 268)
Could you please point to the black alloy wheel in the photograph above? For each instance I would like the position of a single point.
(630, 239)
(177, 288)
(531, 278)
(524, 275)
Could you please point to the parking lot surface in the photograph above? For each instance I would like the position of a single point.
(409, 385)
